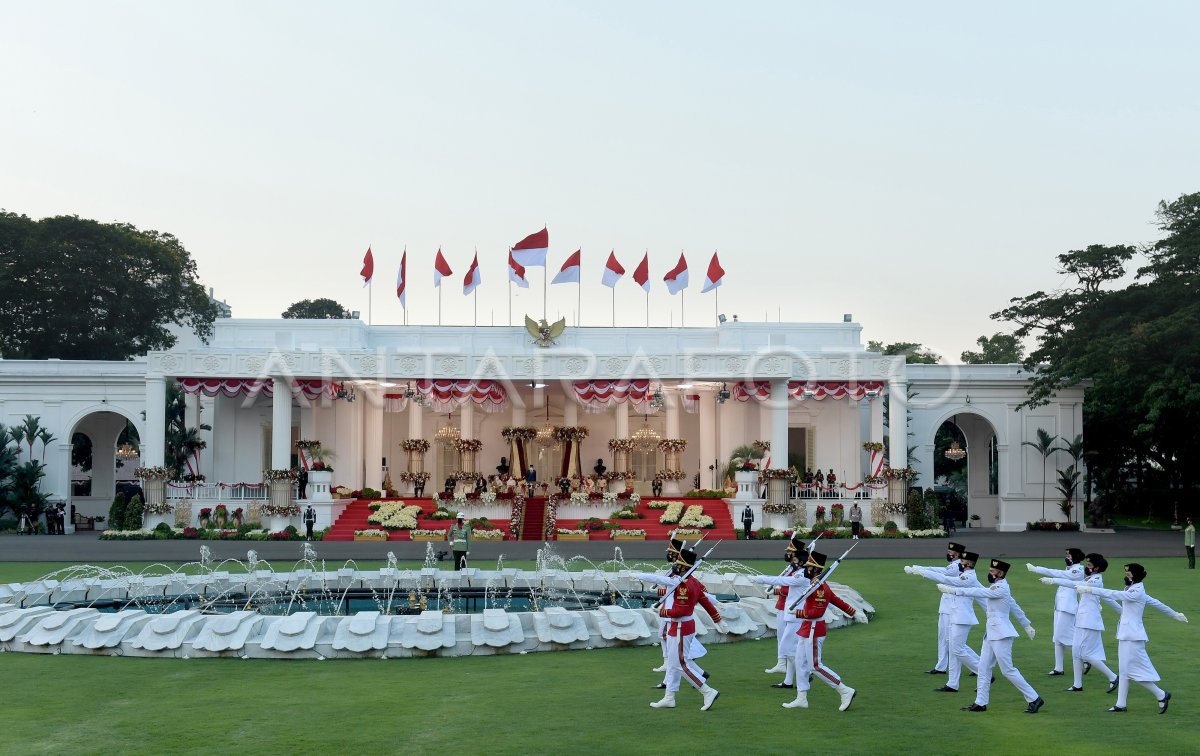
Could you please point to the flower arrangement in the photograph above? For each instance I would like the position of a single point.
(837, 509)
(746, 464)
(627, 514)
(488, 497)
(414, 444)
(673, 513)
(467, 444)
(154, 473)
(777, 473)
(874, 480)
(280, 510)
(626, 533)
(564, 433)
(238, 514)
(570, 531)
(872, 446)
(193, 478)
(764, 445)
(608, 497)
(493, 534)
(441, 513)
(672, 444)
(633, 498)
(461, 475)
(579, 497)
(342, 492)
(520, 432)
(372, 533)
(620, 444)
(658, 504)
(395, 516)
(672, 474)
(221, 512)
(592, 524)
(786, 507)
(684, 532)
(161, 508)
(618, 476)
(899, 473)
(694, 517)
(281, 474)
(427, 533)
(205, 513)
(413, 476)
(820, 513)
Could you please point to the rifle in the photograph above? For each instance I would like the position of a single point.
(688, 574)
(811, 546)
(821, 581)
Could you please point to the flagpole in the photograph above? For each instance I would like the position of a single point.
(647, 309)
(370, 292)
(579, 303)
(716, 298)
(439, 302)
(614, 306)
(510, 283)
(475, 301)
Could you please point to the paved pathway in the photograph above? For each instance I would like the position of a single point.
(86, 547)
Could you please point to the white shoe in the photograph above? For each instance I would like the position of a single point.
(847, 693)
(710, 695)
(801, 701)
(780, 666)
(667, 702)
(660, 668)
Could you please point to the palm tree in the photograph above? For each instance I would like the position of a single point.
(45, 436)
(1075, 449)
(1068, 482)
(1044, 446)
(28, 432)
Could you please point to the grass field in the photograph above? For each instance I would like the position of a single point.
(597, 701)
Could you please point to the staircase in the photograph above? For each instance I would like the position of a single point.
(535, 513)
(353, 518)
(723, 525)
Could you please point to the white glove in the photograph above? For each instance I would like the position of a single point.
(1084, 588)
(1030, 631)
(1179, 616)
(945, 588)
(1047, 581)
(1030, 567)
(910, 570)
(861, 617)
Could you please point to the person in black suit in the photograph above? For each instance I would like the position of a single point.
(450, 484)
(419, 487)
(302, 483)
(564, 485)
(747, 521)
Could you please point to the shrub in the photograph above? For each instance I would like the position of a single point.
(163, 527)
(132, 519)
(890, 525)
(766, 533)
(116, 512)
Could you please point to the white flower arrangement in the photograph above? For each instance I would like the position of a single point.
(570, 531)
(925, 533)
(460, 498)
(395, 516)
(161, 508)
(632, 533)
(694, 517)
(658, 504)
(684, 532)
(421, 532)
(487, 535)
(609, 498)
(579, 497)
(671, 516)
(488, 497)
(372, 533)
(635, 498)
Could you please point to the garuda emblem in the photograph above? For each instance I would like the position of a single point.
(544, 333)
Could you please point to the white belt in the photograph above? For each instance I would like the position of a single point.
(688, 618)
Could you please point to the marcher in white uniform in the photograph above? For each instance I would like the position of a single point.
(997, 642)
(961, 620)
(1087, 648)
(1131, 636)
(787, 622)
(1065, 603)
(945, 608)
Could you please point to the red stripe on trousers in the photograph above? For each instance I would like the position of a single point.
(817, 663)
(683, 663)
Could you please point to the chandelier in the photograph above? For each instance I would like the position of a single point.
(657, 400)
(646, 438)
(126, 451)
(414, 395)
(545, 434)
(448, 433)
(955, 453)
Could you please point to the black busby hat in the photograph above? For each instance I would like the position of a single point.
(674, 545)
(686, 557)
(815, 559)
(1137, 571)
(1075, 554)
(970, 556)
(1098, 561)
(1001, 565)
(956, 547)
(796, 544)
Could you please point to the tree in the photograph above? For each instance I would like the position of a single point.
(316, 309)
(1000, 349)
(913, 352)
(78, 289)
(8, 467)
(1044, 446)
(182, 442)
(1068, 481)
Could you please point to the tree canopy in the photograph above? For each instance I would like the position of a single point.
(998, 349)
(316, 309)
(913, 352)
(1138, 345)
(74, 288)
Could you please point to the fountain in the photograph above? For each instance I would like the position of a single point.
(247, 609)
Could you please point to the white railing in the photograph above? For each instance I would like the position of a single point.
(218, 491)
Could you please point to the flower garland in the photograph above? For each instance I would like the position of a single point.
(872, 446)
(517, 513)
(620, 444)
(764, 445)
(372, 533)
(672, 444)
(786, 507)
(305, 443)
(414, 444)
(777, 473)
(467, 444)
(551, 518)
(154, 473)
(280, 474)
(413, 476)
(161, 508)
(618, 476)
(564, 433)
(630, 533)
(671, 474)
(899, 473)
(280, 510)
(521, 432)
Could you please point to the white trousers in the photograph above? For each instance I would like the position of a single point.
(999, 652)
(1064, 627)
(680, 664)
(808, 661)
(943, 659)
(961, 655)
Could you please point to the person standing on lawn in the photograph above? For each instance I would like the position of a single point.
(459, 536)
(1065, 602)
(962, 618)
(1087, 648)
(998, 638)
(1131, 636)
(855, 520)
(787, 623)
(946, 608)
(1189, 543)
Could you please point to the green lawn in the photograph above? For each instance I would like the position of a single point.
(597, 701)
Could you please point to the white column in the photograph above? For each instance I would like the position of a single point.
(898, 423)
(281, 423)
(468, 419)
(622, 420)
(876, 410)
(672, 425)
(570, 412)
(708, 442)
(415, 420)
(155, 441)
(779, 422)
(518, 414)
(372, 443)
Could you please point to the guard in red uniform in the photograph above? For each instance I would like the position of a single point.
(812, 637)
(697, 649)
(682, 597)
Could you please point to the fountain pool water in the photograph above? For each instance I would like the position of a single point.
(248, 609)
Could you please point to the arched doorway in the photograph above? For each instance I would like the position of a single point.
(96, 467)
(966, 468)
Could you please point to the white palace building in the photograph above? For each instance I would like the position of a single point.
(811, 389)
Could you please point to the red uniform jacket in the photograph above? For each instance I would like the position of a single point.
(782, 593)
(688, 595)
(813, 611)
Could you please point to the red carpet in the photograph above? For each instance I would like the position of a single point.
(535, 511)
(717, 509)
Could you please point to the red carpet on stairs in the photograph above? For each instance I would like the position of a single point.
(535, 511)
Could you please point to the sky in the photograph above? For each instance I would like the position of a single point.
(915, 165)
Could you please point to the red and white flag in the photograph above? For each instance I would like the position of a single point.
(641, 276)
(570, 270)
(440, 268)
(471, 280)
(677, 277)
(401, 275)
(531, 251)
(715, 275)
(368, 268)
(516, 272)
(612, 271)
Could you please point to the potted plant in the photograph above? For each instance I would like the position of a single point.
(973, 522)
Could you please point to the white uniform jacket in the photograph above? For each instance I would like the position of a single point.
(1087, 615)
(963, 607)
(1000, 604)
(950, 570)
(1065, 599)
(1134, 601)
